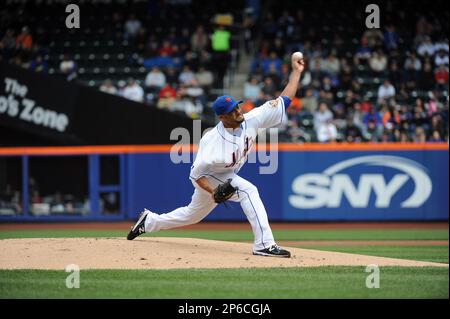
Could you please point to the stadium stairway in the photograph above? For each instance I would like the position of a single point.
(236, 88)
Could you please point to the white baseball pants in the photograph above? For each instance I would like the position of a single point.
(202, 204)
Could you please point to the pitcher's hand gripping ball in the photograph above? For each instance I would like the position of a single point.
(297, 56)
(224, 192)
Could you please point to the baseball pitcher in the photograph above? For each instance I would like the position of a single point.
(221, 154)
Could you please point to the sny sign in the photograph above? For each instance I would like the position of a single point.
(316, 190)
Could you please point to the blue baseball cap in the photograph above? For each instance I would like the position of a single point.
(225, 104)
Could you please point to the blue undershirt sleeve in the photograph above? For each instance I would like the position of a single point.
(287, 101)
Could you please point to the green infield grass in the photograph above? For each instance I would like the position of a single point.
(437, 254)
(320, 282)
(244, 235)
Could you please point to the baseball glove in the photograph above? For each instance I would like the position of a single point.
(224, 192)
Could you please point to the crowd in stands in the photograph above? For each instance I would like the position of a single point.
(388, 84)
(182, 67)
(182, 61)
(383, 90)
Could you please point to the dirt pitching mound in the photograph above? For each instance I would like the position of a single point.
(167, 253)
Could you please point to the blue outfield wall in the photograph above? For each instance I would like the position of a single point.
(311, 186)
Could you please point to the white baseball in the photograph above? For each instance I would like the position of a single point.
(297, 56)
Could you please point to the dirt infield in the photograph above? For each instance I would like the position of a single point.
(167, 253)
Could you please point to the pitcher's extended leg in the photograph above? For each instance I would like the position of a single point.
(254, 209)
(201, 205)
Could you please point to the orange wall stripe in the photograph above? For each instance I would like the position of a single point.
(166, 148)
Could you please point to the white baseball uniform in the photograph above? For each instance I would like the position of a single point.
(221, 154)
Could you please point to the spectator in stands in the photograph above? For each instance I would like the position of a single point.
(24, 40)
(391, 38)
(441, 58)
(363, 53)
(171, 75)
(151, 47)
(357, 115)
(420, 136)
(373, 126)
(316, 72)
(8, 44)
(322, 115)
(286, 25)
(441, 77)
(133, 91)
(279, 47)
(374, 38)
(413, 66)
(378, 63)
(155, 80)
(199, 40)
(187, 103)
(331, 65)
(167, 49)
(273, 62)
(352, 133)
(437, 124)
(294, 132)
(420, 116)
(221, 45)
(191, 59)
(432, 105)
(205, 78)
(252, 89)
(339, 117)
(269, 88)
(132, 27)
(186, 77)
(427, 76)
(395, 75)
(249, 26)
(305, 81)
(442, 44)
(108, 87)
(167, 97)
(423, 28)
(196, 92)
(426, 48)
(391, 118)
(385, 91)
(274, 74)
(346, 77)
(68, 68)
(327, 132)
(205, 59)
(39, 65)
(372, 132)
(309, 102)
(327, 86)
(404, 137)
(436, 137)
(349, 99)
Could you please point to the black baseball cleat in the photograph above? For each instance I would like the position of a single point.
(273, 251)
(139, 228)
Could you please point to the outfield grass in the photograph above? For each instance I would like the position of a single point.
(395, 282)
(243, 235)
(424, 253)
